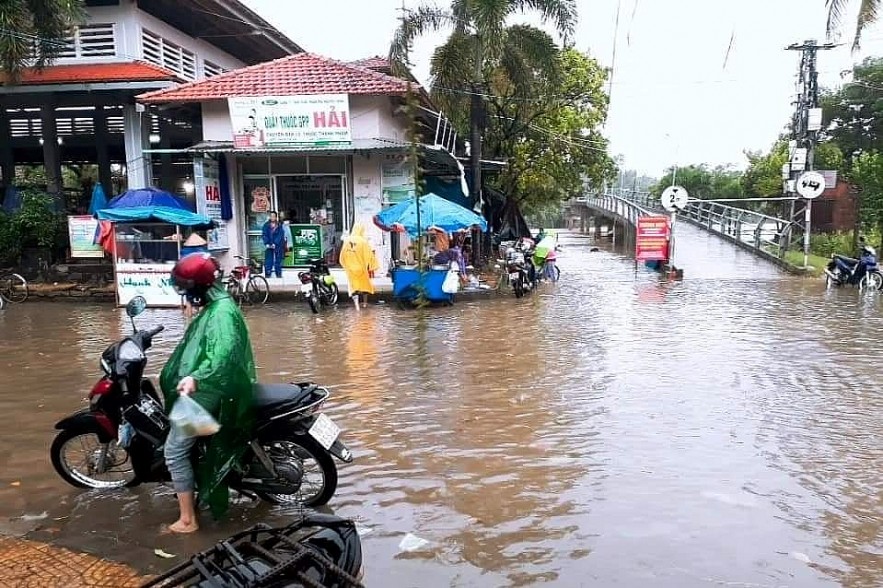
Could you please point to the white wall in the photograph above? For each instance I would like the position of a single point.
(372, 118)
(216, 125)
(129, 23)
(367, 197)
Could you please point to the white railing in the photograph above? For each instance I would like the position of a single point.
(164, 53)
(92, 40)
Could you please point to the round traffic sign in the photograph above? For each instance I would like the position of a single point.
(674, 198)
(811, 184)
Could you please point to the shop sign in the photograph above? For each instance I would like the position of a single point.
(397, 180)
(307, 243)
(315, 119)
(155, 287)
(652, 238)
(81, 230)
(207, 176)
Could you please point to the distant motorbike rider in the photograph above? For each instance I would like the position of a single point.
(214, 365)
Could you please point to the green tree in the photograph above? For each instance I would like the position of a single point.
(704, 182)
(868, 11)
(853, 114)
(867, 174)
(549, 136)
(33, 32)
(481, 47)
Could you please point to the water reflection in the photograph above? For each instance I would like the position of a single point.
(614, 429)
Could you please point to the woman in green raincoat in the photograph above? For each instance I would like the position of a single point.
(214, 365)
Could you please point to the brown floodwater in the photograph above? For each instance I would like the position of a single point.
(615, 429)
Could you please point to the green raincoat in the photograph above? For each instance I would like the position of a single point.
(216, 352)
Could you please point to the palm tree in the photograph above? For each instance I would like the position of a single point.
(483, 52)
(34, 32)
(868, 13)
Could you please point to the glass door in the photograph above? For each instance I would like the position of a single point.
(259, 200)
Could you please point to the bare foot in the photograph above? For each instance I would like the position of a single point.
(182, 527)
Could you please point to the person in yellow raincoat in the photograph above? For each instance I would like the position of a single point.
(358, 260)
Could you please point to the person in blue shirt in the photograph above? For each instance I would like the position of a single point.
(274, 243)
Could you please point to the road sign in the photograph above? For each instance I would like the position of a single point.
(811, 184)
(652, 238)
(674, 198)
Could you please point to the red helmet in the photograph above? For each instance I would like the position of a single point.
(194, 274)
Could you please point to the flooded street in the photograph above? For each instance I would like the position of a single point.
(613, 430)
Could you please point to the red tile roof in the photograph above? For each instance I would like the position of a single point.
(95, 73)
(376, 63)
(300, 74)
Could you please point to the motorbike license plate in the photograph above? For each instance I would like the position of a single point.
(324, 431)
(513, 276)
(306, 288)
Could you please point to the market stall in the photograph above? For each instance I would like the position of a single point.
(146, 238)
(416, 217)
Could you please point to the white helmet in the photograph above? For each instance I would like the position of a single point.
(870, 250)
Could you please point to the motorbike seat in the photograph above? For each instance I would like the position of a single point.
(267, 395)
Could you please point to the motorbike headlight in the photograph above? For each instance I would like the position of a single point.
(129, 351)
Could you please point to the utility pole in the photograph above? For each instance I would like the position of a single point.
(805, 126)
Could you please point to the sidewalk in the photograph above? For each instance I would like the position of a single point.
(28, 564)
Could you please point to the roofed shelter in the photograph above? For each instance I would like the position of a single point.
(321, 141)
(81, 110)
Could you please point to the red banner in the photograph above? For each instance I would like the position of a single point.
(653, 235)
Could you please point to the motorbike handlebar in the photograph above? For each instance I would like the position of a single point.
(155, 331)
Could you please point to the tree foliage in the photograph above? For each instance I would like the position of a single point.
(868, 13)
(542, 105)
(34, 224)
(33, 32)
(704, 182)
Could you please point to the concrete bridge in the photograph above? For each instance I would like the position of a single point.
(616, 216)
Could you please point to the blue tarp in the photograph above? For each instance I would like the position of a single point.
(435, 211)
(99, 200)
(150, 204)
(174, 216)
(146, 197)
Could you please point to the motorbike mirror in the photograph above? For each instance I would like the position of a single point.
(136, 306)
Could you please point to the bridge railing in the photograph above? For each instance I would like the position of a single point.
(624, 208)
(764, 233)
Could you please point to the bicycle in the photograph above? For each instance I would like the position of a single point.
(246, 284)
(13, 287)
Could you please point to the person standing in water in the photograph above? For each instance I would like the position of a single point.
(358, 260)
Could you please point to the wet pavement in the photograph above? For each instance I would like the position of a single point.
(616, 429)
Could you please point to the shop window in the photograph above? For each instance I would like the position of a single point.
(289, 165)
(327, 165)
(255, 165)
(258, 204)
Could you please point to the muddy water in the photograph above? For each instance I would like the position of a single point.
(613, 430)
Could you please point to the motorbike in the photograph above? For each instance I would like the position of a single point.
(520, 269)
(117, 440)
(869, 278)
(318, 285)
(319, 550)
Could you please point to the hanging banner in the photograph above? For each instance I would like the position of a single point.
(397, 180)
(315, 119)
(652, 238)
(81, 230)
(207, 182)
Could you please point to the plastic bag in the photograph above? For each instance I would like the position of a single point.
(451, 284)
(192, 419)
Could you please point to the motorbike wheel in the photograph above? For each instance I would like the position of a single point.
(876, 280)
(518, 287)
(86, 444)
(314, 304)
(333, 295)
(320, 473)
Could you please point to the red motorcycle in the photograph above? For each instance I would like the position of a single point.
(117, 441)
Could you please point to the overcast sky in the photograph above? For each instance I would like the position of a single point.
(673, 98)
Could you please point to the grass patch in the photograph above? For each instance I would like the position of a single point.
(817, 262)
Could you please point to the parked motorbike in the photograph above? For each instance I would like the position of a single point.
(520, 268)
(320, 550)
(318, 285)
(117, 441)
(867, 278)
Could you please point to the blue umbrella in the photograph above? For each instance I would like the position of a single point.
(434, 211)
(99, 200)
(149, 197)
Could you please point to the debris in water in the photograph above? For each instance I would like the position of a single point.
(31, 517)
(16, 483)
(163, 554)
(412, 542)
(801, 557)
